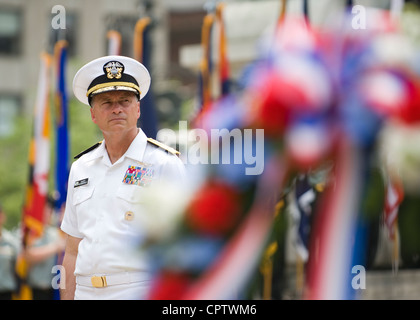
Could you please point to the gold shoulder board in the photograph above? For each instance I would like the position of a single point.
(88, 150)
(163, 146)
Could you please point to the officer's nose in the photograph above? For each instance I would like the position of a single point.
(116, 107)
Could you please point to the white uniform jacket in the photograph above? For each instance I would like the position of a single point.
(104, 204)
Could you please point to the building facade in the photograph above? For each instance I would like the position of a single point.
(27, 28)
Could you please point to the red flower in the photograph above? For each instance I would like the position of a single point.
(410, 111)
(271, 113)
(215, 209)
(170, 285)
(393, 94)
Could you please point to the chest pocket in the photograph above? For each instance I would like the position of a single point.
(131, 193)
(81, 194)
(133, 214)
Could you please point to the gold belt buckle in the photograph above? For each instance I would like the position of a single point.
(98, 282)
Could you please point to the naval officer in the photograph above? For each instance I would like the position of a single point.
(106, 185)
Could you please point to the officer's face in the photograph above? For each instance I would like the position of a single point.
(115, 110)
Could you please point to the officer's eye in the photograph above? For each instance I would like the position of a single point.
(125, 102)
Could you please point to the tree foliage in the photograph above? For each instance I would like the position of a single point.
(14, 163)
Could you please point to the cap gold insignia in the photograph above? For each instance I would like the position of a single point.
(129, 216)
(113, 69)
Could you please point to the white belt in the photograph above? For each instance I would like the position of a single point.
(101, 281)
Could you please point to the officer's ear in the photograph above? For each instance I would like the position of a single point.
(92, 114)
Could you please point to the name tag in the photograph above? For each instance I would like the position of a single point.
(81, 182)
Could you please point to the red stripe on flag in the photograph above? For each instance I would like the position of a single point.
(393, 199)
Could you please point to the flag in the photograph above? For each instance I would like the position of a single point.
(223, 66)
(114, 42)
(300, 208)
(394, 197)
(304, 196)
(142, 52)
(334, 241)
(62, 164)
(394, 191)
(39, 158)
(204, 98)
(206, 64)
(39, 165)
(61, 121)
(214, 72)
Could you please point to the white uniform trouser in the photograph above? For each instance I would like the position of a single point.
(137, 290)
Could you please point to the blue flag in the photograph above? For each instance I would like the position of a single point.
(62, 138)
(148, 120)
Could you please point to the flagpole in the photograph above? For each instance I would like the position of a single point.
(282, 15)
(223, 66)
(114, 42)
(266, 269)
(142, 48)
(306, 10)
(139, 28)
(300, 275)
(206, 60)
